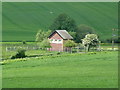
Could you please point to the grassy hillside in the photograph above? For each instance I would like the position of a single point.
(73, 71)
(21, 21)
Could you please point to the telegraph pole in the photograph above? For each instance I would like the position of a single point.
(113, 39)
(113, 35)
(99, 46)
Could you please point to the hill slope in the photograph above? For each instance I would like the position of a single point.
(22, 20)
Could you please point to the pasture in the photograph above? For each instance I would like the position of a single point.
(50, 69)
(10, 48)
(77, 70)
(21, 21)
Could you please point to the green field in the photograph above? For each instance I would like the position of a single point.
(29, 52)
(22, 20)
(95, 70)
(37, 52)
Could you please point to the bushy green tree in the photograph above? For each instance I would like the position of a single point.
(23, 42)
(73, 34)
(63, 22)
(45, 44)
(41, 35)
(69, 44)
(47, 33)
(20, 54)
(83, 30)
(90, 40)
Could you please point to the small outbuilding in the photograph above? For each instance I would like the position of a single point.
(57, 40)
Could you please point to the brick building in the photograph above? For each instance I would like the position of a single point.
(58, 38)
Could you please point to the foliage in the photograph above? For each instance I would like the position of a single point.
(41, 35)
(70, 43)
(116, 40)
(23, 42)
(83, 30)
(20, 54)
(80, 45)
(47, 33)
(90, 40)
(63, 22)
(45, 44)
(7, 54)
(74, 35)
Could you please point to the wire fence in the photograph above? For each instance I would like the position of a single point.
(19, 47)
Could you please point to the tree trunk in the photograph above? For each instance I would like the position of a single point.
(87, 48)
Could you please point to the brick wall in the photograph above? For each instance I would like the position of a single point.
(56, 46)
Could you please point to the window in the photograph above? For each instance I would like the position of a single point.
(59, 40)
(51, 40)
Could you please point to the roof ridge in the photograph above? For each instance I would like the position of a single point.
(68, 36)
(63, 33)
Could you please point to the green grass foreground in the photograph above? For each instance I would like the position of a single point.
(98, 70)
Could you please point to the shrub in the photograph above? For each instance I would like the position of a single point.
(58, 53)
(12, 57)
(23, 42)
(45, 44)
(70, 43)
(20, 54)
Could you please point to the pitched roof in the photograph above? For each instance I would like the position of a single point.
(63, 33)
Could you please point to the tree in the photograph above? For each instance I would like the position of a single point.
(69, 44)
(45, 44)
(83, 30)
(73, 34)
(90, 40)
(63, 22)
(47, 33)
(41, 35)
(23, 42)
(20, 54)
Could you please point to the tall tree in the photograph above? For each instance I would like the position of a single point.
(83, 30)
(63, 22)
(74, 35)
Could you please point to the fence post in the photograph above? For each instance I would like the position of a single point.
(6, 49)
(27, 47)
(14, 48)
(112, 44)
(78, 49)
